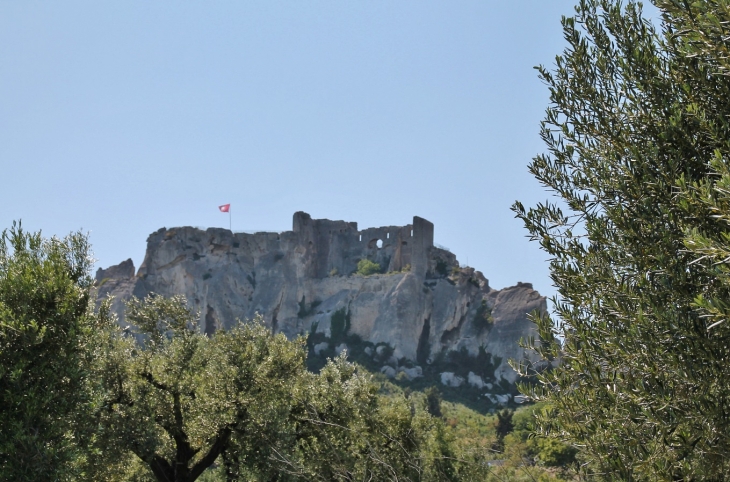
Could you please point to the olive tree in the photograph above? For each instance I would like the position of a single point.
(176, 400)
(173, 396)
(45, 327)
(339, 427)
(638, 143)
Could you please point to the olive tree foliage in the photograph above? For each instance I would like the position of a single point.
(338, 427)
(45, 326)
(172, 401)
(638, 144)
(173, 396)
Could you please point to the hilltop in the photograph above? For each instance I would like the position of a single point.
(388, 295)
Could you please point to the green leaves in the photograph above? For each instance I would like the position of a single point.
(344, 430)
(637, 148)
(160, 318)
(176, 399)
(44, 326)
(365, 267)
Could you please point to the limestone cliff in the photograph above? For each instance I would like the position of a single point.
(422, 304)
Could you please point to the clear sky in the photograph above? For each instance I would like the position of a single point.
(120, 118)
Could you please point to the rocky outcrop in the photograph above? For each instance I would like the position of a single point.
(450, 379)
(475, 380)
(422, 304)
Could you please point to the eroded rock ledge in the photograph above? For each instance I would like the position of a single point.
(422, 304)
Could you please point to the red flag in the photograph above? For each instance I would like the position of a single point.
(225, 208)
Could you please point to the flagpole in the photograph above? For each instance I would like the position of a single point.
(226, 208)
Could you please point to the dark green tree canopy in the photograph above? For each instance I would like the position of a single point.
(176, 400)
(45, 324)
(638, 143)
(173, 396)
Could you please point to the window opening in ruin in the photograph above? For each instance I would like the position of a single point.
(411, 233)
(375, 243)
(387, 236)
(361, 238)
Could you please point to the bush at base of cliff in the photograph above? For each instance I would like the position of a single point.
(552, 453)
(339, 325)
(520, 444)
(476, 434)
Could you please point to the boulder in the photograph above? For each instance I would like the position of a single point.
(388, 371)
(498, 399)
(451, 380)
(411, 373)
(503, 399)
(475, 380)
(321, 346)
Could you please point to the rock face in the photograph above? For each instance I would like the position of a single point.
(305, 280)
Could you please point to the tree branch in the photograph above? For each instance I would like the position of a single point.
(221, 442)
(148, 376)
(159, 466)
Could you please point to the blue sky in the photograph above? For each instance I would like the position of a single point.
(121, 118)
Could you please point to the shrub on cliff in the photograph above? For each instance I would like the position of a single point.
(365, 267)
(638, 146)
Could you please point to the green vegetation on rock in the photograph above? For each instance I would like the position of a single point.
(365, 267)
(339, 324)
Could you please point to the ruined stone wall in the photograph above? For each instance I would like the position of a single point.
(339, 246)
